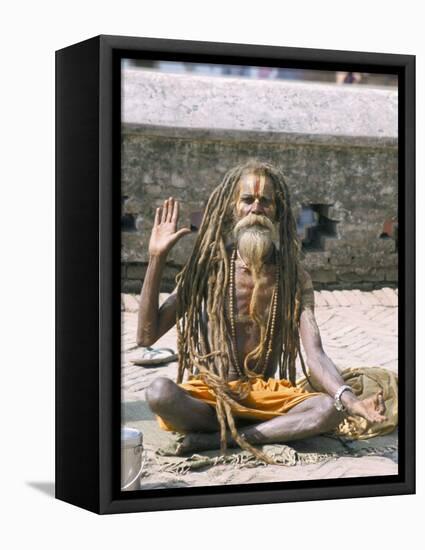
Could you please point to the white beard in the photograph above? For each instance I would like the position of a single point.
(254, 236)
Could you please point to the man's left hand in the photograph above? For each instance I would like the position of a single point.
(372, 408)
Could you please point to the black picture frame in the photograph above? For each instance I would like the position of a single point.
(88, 274)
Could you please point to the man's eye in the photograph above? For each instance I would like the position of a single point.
(247, 200)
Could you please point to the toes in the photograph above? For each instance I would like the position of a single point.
(182, 448)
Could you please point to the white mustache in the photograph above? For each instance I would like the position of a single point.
(254, 220)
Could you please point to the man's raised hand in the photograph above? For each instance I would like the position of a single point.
(164, 232)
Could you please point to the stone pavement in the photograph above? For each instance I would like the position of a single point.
(358, 329)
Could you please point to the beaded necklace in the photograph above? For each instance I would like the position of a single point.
(271, 321)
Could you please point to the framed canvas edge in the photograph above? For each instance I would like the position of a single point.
(109, 500)
(76, 308)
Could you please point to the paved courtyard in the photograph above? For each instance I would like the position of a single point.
(358, 329)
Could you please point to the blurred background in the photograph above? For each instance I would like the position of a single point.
(247, 71)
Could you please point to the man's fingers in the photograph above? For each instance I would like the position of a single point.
(183, 231)
(180, 233)
(175, 215)
(164, 211)
(377, 418)
(157, 216)
(170, 209)
(379, 402)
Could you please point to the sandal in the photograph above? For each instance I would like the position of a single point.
(154, 357)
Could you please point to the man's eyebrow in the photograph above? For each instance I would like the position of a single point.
(250, 196)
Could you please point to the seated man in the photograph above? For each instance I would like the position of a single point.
(241, 304)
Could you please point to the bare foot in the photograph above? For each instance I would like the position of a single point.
(194, 442)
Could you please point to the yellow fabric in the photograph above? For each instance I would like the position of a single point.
(270, 398)
(266, 399)
(365, 382)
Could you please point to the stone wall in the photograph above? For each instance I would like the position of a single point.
(336, 144)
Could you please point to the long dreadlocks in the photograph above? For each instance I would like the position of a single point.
(205, 345)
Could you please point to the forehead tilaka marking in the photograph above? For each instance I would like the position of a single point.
(255, 185)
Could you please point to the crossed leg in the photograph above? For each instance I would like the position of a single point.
(198, 420)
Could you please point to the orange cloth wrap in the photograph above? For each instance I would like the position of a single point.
(266, 399)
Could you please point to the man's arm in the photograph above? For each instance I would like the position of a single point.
(153, 321)
(326, 377)
(324, 373)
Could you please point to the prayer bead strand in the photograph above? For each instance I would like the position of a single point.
(232, 313)
(271, 320)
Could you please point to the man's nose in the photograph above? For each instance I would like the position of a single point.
(257, 208)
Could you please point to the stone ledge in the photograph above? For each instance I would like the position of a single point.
(269, 106)
(252, 136)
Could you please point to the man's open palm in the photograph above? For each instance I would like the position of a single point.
(164, 233)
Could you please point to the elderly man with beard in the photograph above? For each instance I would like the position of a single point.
(241, 305)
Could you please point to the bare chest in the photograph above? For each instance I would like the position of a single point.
(247, 296)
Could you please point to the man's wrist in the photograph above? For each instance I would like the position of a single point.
(348, 398)
(158, 257)
(343, 397)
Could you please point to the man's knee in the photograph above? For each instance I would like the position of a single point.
(328, 417)
(161, 393)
